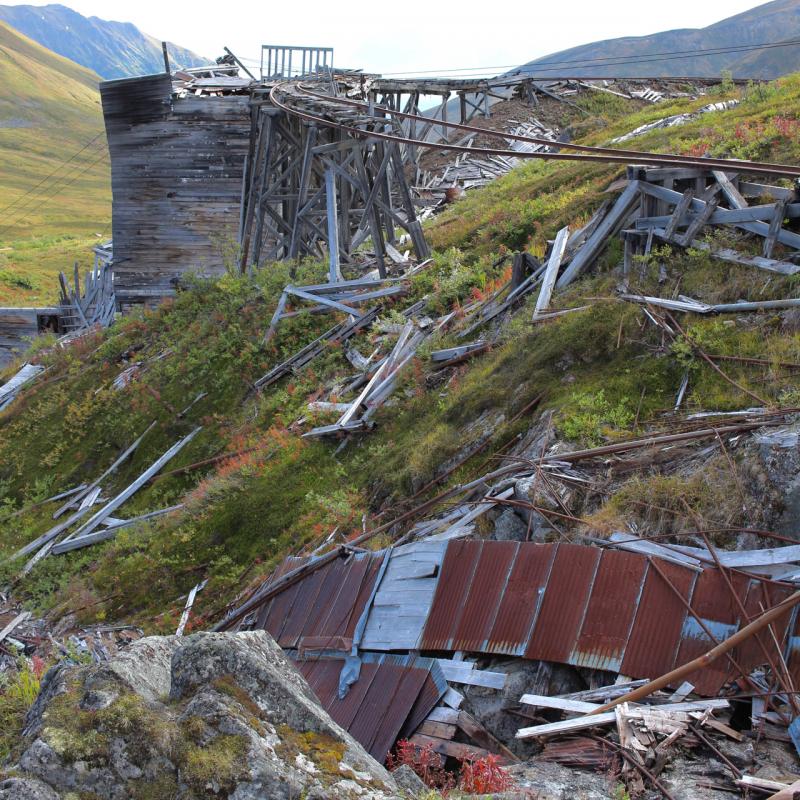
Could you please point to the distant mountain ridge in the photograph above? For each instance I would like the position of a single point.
(111, 49)
(777, 21)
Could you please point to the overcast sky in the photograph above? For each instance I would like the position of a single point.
(413, 36)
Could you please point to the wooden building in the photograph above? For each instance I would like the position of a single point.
(177, 162)
(18, 326)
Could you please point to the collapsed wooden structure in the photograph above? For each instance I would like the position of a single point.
(209, 172)
(82, 305)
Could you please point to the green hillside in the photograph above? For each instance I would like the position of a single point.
(603, 372)
(53, 198)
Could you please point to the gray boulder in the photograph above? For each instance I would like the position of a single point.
(214, 715)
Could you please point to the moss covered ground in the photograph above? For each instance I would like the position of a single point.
(604, 371)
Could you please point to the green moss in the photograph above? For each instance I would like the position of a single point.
(215, 767)
(17, 695)
(325, 752)
(78, 734)
(227, 685)
(163, 787)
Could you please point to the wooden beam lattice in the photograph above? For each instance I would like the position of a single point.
(314, 191)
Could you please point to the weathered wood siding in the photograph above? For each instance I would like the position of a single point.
(176, 178)
(17, 327)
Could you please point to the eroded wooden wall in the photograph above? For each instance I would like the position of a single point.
(176, 177)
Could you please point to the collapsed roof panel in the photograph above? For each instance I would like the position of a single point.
(611, 613)
(326, 605)
(653, 648)
(574, 604)
(392, 696)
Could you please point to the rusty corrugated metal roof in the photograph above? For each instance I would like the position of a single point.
(604, 609)
(391, 697)
(573, 604)
(326, 603)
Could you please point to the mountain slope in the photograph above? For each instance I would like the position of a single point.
(778, 21)
(49, 110)
(111, 49)
(198, 356)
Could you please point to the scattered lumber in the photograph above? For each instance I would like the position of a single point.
(14, 385)
(16, 622)
(594, 716)
(81, 537)
(188, 607)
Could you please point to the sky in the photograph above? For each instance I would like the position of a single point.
(413, 36)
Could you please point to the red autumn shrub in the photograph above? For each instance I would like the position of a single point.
(424, 761)
(484, 776)
(477, 775)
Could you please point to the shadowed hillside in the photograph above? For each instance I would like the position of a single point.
(111, 49)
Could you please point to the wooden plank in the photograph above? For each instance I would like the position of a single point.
(752, 782)
(323, 300)
(697, 223)
(125, 454)
(786, 793)
(608, 717)
(463, 672)
(729, 190)
(334, 271)
(441, 730)
(452, 749)
(110, 531)
(733, 256)
(761, 190)
(760, 228)
(442, 714)
(130, 490)
(188, 607)
(452, 698)
(774, 230)
(597, 241)
(561, 703)
(682, 692)
(627, 542)
(605, 693)
(567, 725)
(478, 733)
(678, 214)
(16, 622)
(551, 271)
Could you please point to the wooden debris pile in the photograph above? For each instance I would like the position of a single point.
(468, 171)
(14, 385)
(73, 532)
(675, 120)
(90, 305)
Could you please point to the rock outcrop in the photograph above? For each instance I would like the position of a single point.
(214, 715)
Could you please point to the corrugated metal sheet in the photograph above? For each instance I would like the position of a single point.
(604, 609)
(652, 648)
(609, 618)
(564, 605)
(713, 603)
(392, 695)
(573, 604)
(323, 605)
(522, 600)
(459, 565)
(476, 617)
(403, 600)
